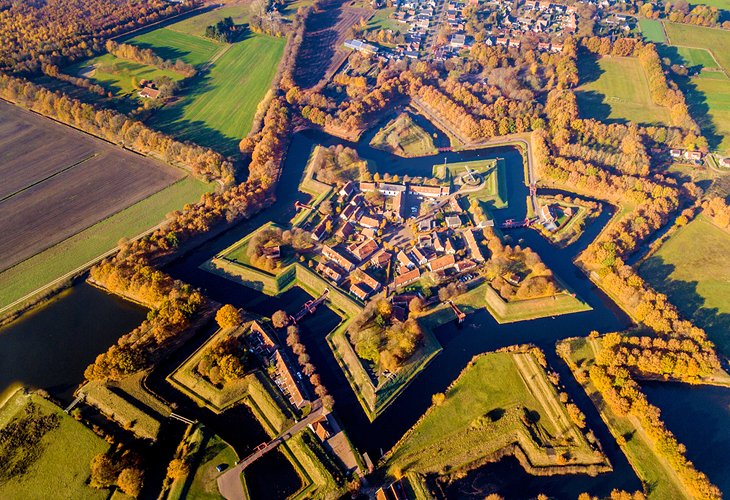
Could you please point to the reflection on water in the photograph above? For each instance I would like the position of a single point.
(51, 347)
(699, 416)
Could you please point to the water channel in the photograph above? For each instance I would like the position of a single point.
(62, 338)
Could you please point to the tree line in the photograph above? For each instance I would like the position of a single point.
(58, 31)
(115, 127)
(149, 58)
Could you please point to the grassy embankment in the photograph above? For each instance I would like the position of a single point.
(617, 89)
(691, 269)
(58, 463)
(568, 231)
(206, 451)
(656, 474)
(403, 137)
(94, 241)
(708, 92)
(218, 399)
(494, 193)
(273, 412)
(483, 418)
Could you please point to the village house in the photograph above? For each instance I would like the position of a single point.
(348, 212)
(149, 92)
(381, 258)
(407, 278)
(329, 270)
(363, 277)
(321, 229)
(286, 380)
(321, 429)
(441, 263)
(453, 221)
(449, 248)
(348, 190)
(359, 291)
(404, 260)
(263, 338)
(465, 265)
(471, 242)
(418, 256)
(370, 222)
(430, 191)
(339, 259)
(345, 230)
(364, 249)
(454, 205)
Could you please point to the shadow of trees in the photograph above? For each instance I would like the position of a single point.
(684, 295)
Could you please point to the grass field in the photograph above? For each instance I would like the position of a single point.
(218, 109)
(171, 44)
(691, 268)
(60, 466)
(84, 246)
(659, 478)
(616, 89)
(652, 30)
(715, 40)
(712, 93)
(697, 57)
(116, 75)
(483, 413)
(381, 20)
(403, 137)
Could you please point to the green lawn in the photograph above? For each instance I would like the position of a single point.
(616, 88)
(720, 4)
(382, 20)
(697, 57)
(402, 136)
(201, 483)
(97, 239)
(696, 278)
(652, 30)
(219, 108)
(715, 40)
(196, 25)
(712, 93)
(61, 467)
(482, 413)
(170, 44)
(116, 74)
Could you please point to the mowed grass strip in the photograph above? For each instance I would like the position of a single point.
(691, 268)
(62, 467)
(196, 25)
(697, 57)
(86, 245)
(617, 89)
(652, 30)
(715, 40)
(218, 111)
(170, 44)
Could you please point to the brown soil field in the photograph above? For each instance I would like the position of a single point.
(57, 181)
(322, 51)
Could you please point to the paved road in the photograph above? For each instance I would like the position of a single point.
(229, 483)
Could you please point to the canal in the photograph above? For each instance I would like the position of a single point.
(51, 347)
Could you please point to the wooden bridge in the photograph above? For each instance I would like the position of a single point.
(460, 315)
(309, 307)
(514, 224)
(446, 149)
(299, 206)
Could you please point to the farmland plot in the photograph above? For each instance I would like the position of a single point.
(58, 181)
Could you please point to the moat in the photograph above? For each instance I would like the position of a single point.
(65, 336)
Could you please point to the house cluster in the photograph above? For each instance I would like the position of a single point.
(286, 377)
(548, 21)
(695, 156)
(420, 18)
(354, 263)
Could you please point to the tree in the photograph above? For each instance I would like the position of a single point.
(438, 398)
(130, 481)
(280, 319)
(228, 316)
(178, 468)
(103, 471)
(415, 306)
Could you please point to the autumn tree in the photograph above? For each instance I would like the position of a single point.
(228, 316)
